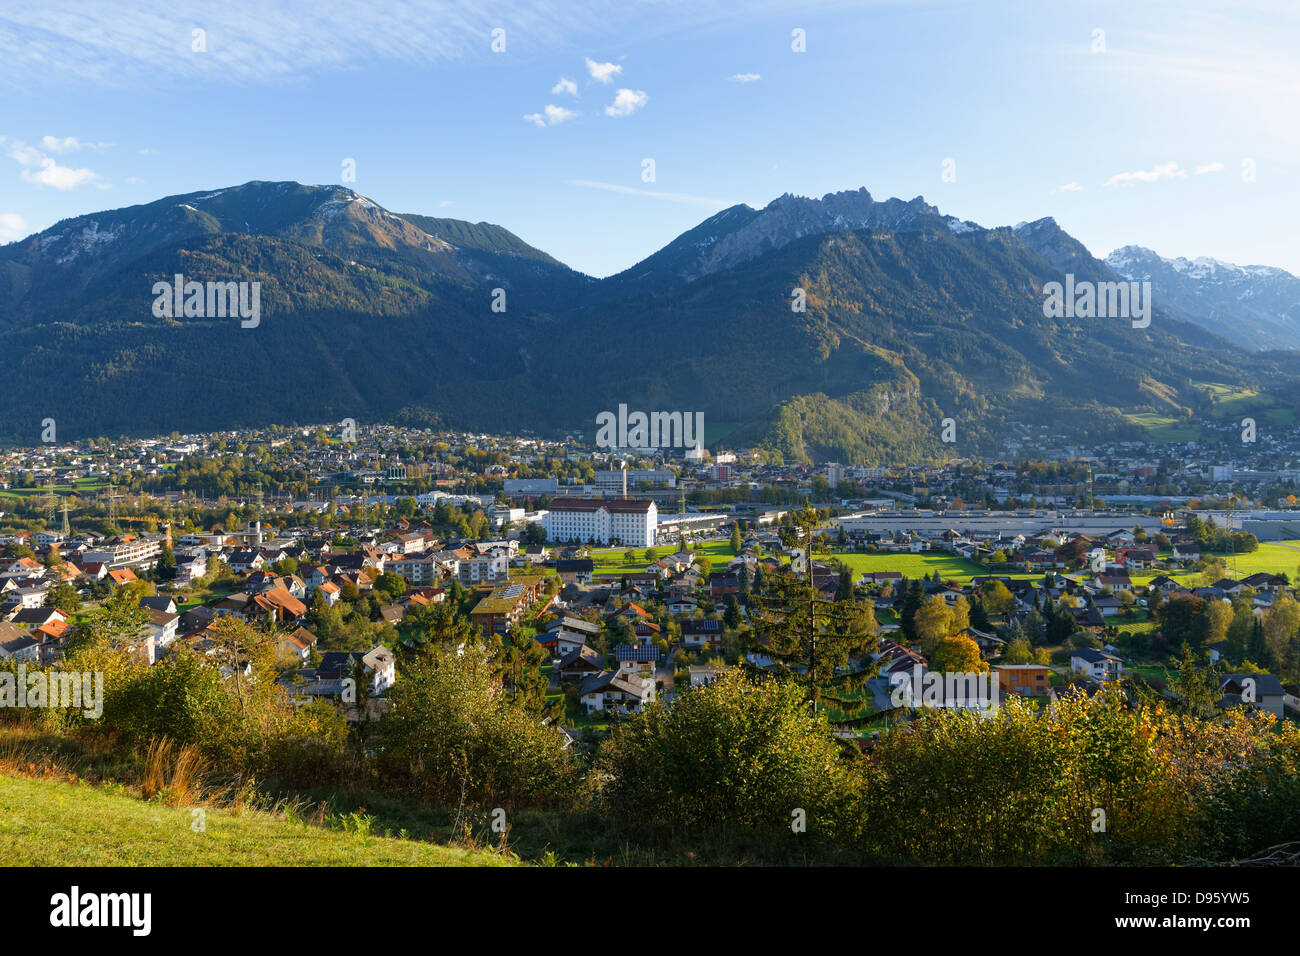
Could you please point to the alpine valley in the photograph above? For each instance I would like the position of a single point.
(911, 317)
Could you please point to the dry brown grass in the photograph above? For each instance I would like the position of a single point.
(175, 774)
(22, 753)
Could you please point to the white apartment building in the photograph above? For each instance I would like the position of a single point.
(139, 551)
(632, 522)
(422, 569)
(485, 568)
(502, 515)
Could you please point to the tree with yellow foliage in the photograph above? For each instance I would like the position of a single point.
(957, 655)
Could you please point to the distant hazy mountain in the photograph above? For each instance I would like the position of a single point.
(1257, 307)
(911, 316)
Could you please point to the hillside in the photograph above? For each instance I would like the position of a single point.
(902, 328)
(912, 316)
(53, 823)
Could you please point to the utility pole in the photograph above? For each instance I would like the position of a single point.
(1232, 507)
(51, 502)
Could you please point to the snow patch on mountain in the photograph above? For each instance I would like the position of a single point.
(1254, 306)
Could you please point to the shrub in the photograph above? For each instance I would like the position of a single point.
(1092, 780)
(451, 730)
(738, 752)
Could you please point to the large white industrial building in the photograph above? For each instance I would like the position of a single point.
(628, 521)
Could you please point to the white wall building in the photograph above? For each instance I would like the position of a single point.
(484, 568)
(610, 482)
(632, 522)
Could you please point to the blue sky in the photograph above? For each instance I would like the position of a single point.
(1153, 139)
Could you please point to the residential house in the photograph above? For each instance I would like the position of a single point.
(160, 628)
(682, 605)
(1031, 680)
(579, 664)
(1259, 690)
(576, 571)
(1096, 664)
(702, 632)
(702, 675)
(620, 691)
(638, 658)
(297, 645)
(16, 644)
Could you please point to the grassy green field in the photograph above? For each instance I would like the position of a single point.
(55, 823)
(1164, 428)
(1236, 403)
(83, 486)
(1274, 556)
(1142, 621)
(609, 561)
(1279, 557)
(915, 565)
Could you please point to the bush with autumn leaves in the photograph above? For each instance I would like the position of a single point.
(1091, 780)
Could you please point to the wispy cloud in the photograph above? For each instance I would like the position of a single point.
(12, 226)
(626, 102)
(653, 194)
(1204, 168)
(602, 72)
(68, 144)
(121, 43)
(1068, 188)
(1214, 51)
(1169, 170)
(551, 115)
(565, 85)
(44, 170)
(745, 78)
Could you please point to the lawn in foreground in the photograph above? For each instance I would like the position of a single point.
(56, 823)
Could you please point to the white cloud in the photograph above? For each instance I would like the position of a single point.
(44, 171)
(1068, 188)
(133, 180)
(446, 202)
(565, 85)
(56, 145)
(746, 78)
(1169, 170)
(602, 72)
(626, 102)
(1208, 168)
(551, 115)
(12, 226)
(653, 194)
(67, 144)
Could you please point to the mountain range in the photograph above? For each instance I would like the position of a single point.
(1257, 307)
(909, 317)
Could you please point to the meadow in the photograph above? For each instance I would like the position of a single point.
(51, 822)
